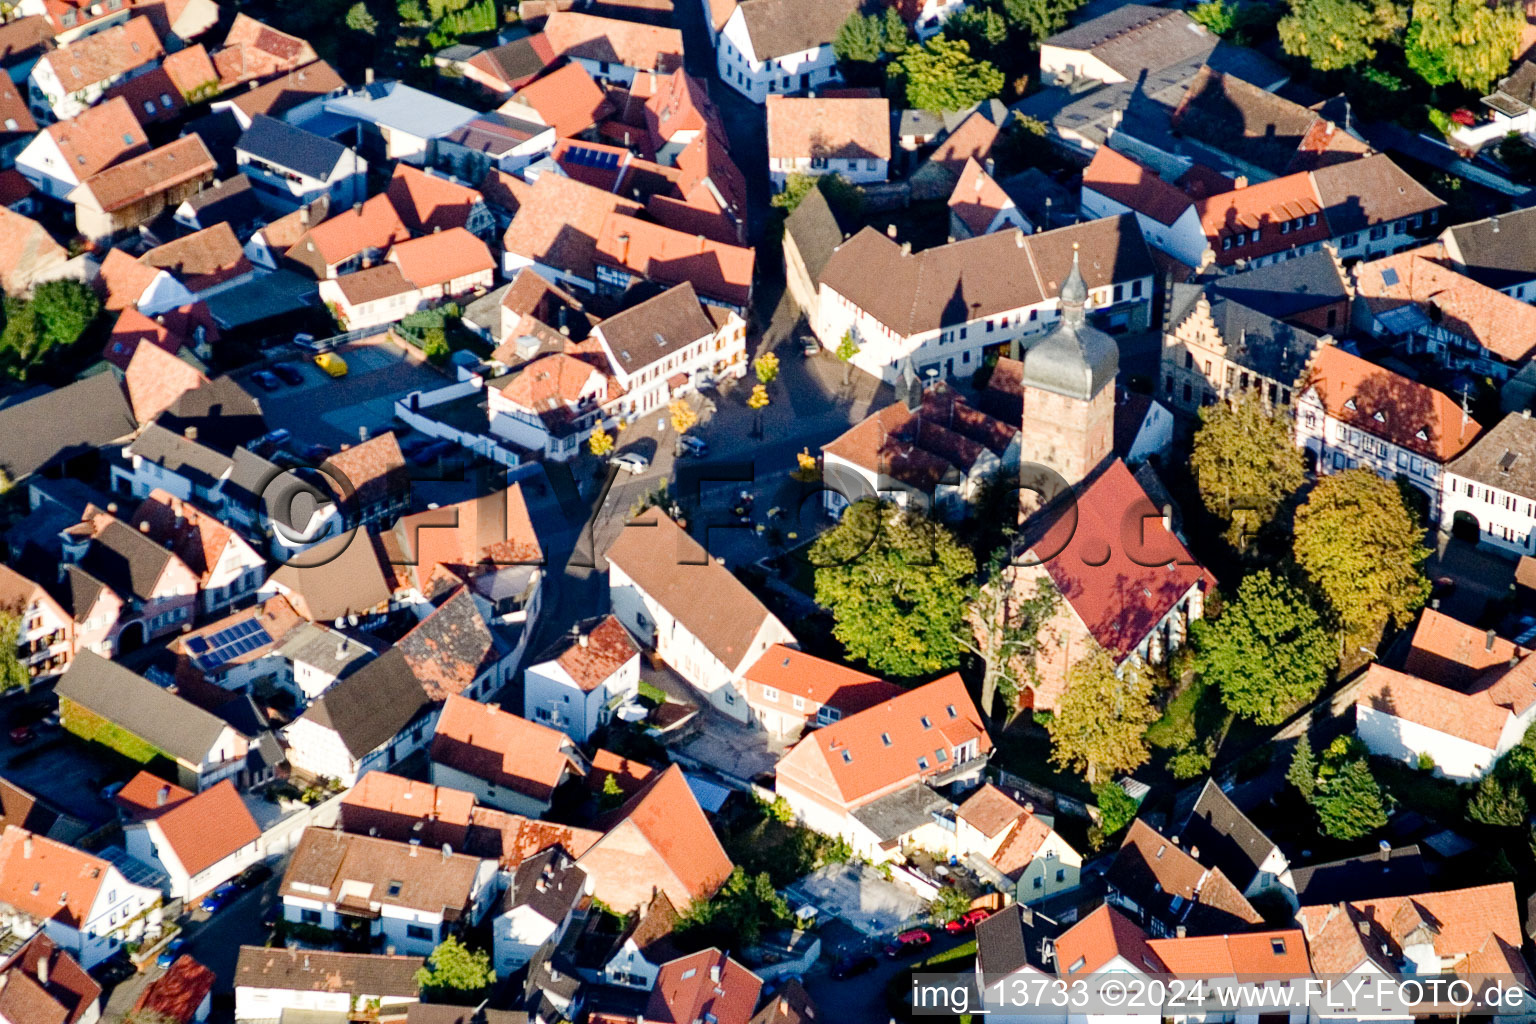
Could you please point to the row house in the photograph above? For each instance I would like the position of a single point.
(1488, 492)
(764, 47)
(417, 273)
(613, 50)
(503, 760)
(158, 590)
(847, 136)
(135, 191)
(63, 155)
(291, 167)
(555, 228)
(1354, 413)
(428, 202)
(944, 308)
(66, 81)
(227, 568)
(790, 691)
(45, 635)
(1161, 883)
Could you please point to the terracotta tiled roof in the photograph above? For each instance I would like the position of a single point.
(26, 250)
(1119, 599)
(938, 443)
(667, 815)
(1169, 881)
(1272, 954)
(23, 37)
(1017, 851)
(428, 202)
(1100, 937)
(48, 880)
(176, 163)
(440, 258)
(1271, 208)
(202, 259)
(1390, 406)
(1135, 186)
(288, 91)
(514, 63)
(71, 993)
(373, 225)
(1500, 323)
(1473, 717)
(100, 137)
(155, 379)
(199, 539)
(629, 775)
(847, 129)
(190, 68)
(704, 985)
(489, 531)
(381, 792)
(452, 647)
(972, 140)
(13, 108)
(209, 827)
(612, 40)
(591, 658)
(253, 50)
(566, 99)
(794, 673)
(989, 810)
(146, 796)
(718, 271)
(550, 384)
(375, 469)
(313, 970)
(177, 994)
(559, 222)
(102, 55)
(978, 198)
(433, 882)
(1451, 652)
(172, 331)
(503, 749)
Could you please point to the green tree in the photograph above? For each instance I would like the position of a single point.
(21, 341)
(942, 75)
(1465, 41)
(456, 974)
(1040, 18)
(898, 37)
(738, 913)
(1117, 808)
(1303, 770)
(847, 348)
(359, 19)
(984, 28)
(1497, 801)
(1350, 804)
(410, 12)
(766, 368)
(948, 904)
(1220, 16)
(1363, 548)
(434, 344)
(1100, 728)
(65, 310)
(860, 39)
(13, 673)
(896, 583)
(1246, 464)
(1269, 650)
(1336, 34)
(1005, 618)
(601, 442)
(613, 793)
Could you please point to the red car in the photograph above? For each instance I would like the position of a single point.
(968, 920)
(908, 942)
(23, 734)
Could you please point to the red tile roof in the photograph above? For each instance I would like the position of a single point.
(1269, 954)
(154, 377)
(667, 816)
(628, 775)
(503, 749)
(708, 985)
(68, 996)
(593, 657)
(209, 827)
(1451, 652)
(1115, 563)
(441, 258)
(795, 673)
(253, 50)
(614, 41)
(1097, 939)
(1390, 406)
(102, 55)
(137, 178)
(147, 796)
(1135, 186)
(373, 225)
(177, 994)
(48, 880)
(566, 99)
(203, 259)
(429, 202)
(100, 137)
(849, 129)
(1473, 717)
(718, 271)
(1270, 208)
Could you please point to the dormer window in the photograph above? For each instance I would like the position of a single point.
(1277, 947)
(927, 722)
(885, 738)
(1350, 404)
(1379, 416)
(1077, 965)
(922, 764)
(949, 709)
(394, 889)
(1422, 434)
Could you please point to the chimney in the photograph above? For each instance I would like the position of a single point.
(623, 248)
(162, 795)
(357, 208)
(1180, 931)
(42, 971)
(783, 1007)
(112, 508)
(1168, 518)
(906, 248)
(701, 242)
(714, 973)
(26, 848)
(1386, 849)
(368, 76)
(1018, 237)
(190, 433)
(989, 164)
(144, 526)
(1365, 927)
(1194, 851)
(1241, 181)
(583, 640)
(890, 231)
(304, 215)
(1493, 222)
(1488, 643)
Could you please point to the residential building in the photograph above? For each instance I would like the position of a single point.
(493, 141)
(1011, 948)
(502, 70)
(1354, 413)
(1312, 292)
(125, 283)
(26, 38)
(393, 121)
(428, 202)
(349, 239)
(182, 995)
(1115, 184)
(295, 96)
(28, 253)
(271, 980)
(1010, 282)
(199, 843)
(566, 99)
(506, 761)
(555, 230)
(373, 718)
(161, 95)
(418, 273)
(1119, 45)
(790, 691)
(843, 135)
(553, 403)
(43, 981)
(980, 206)
(659, 839)
(1228, 840)
(227, 568)
(158, 589)
(613, 50)
(204, 748)
(255, 51)
(1012, 847)
(377, 486)
(63, 155)
(1489, 251)
(1163, 886)
(1388, 871)
(205, 262)
(644, 945)
(544, 893)
(689, 609)
(776, 46)
(66, 81)
(87, 414)
(81, 902)
(1488, 492)
(577, 683)
(630, 250)
(669, 345)
(408, 897)
(135, 191)
(45, 634)
(874, 777)
(291, 167)
(706, 982)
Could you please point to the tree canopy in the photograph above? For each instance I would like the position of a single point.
(943, 75)
(737, 914)
(1246, 464)
(1349, 805)
(42, 327)
(1363, 548)
(1269, 651)
(870, 38)
(1100, 728)
(1004, 621)
(456, 974)
(1336, 34)
(897, 584)
(842, 195)
(1040, 18)
(1464, 41)
(12, 672)
(1302, 772)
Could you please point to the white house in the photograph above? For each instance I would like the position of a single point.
(374, 718)
(844, 135)
(270, 980)
(692, 611)
(1011, 949)
(1014, 848)
(290, 167)
(68, 80)
(552, 404)
(1114, 184)
(577, 684)
(1488, 492)
(613, 51)
(544, 892)
(646, 944)
(1354, 413)
(199, 843)
(769, 46)
(83, 903)
(406, 896)
(1405, 717)
(63, 155)
(506, 761)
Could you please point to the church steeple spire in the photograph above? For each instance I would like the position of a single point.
(1074, 294)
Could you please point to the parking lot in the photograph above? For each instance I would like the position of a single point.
(329, 411)
(860, 896)
(69, 774)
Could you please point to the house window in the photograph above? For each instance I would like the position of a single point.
(1061, 874)
(885, 739)
(798, 703)
(922, 764)
(1039, 882)
(309, 916)
(1135, 289)
(416, 931)
(394, 889)
(927, 723)
(771, 693)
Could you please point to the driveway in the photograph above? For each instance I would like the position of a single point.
(859, 896)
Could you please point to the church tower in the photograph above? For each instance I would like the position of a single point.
(1069, 392)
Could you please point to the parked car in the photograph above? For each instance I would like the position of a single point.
(632, 462)
(695, 446)
(111, 790)
(304, 340)
(253, 876)
(332, 364)
(270, 440)
(266, 381)
(169, 954)
(23, 734)
(221, 897)
(968, 920)
(50, 720)
(854, 964)
(114, 969)
(287, 373)
(317, 452)
(908, 942)
(809, 345)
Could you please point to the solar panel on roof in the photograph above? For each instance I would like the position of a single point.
(1389, 277)
(228, 644)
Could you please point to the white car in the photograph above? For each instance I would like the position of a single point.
(633, 462)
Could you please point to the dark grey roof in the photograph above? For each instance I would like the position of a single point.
(126, 560)
(896, 814)
(231, 201)
(136, 705)
(225, 414)
(495, 133)
(1504, 457)
(1398, 871)
(781, 27)
(916, 121)
(1137, 38)
(656, 328)
(248, 477)
(1011, 938)
(549, 883)
(816, 231)
(77, 418)
(1368, 191)
(1286, 289)
(179, 455)
(80, 591)
(1496, 251)
(1274, 349)
(283, 145)
(1225, 837)
(370, 707)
